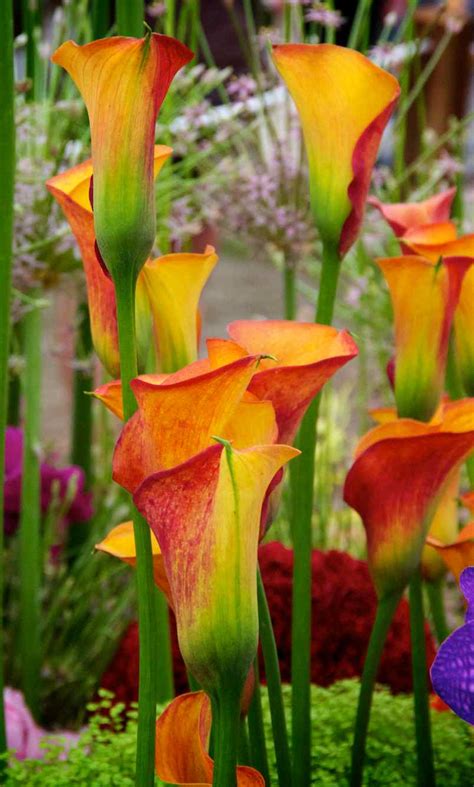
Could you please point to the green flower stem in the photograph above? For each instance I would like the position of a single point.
(30, 19)
(165, 681)
(226, 727)
(289, 291)
(147, 619)
(272, 674)
(424, 747)
(258, 749)
(130, 15)
(101, 18)
(14, 399)
(7, 176)
(438, 612)
(30, 515)
(360, 24)
(385, 612)
(81, 438)
(302, 493)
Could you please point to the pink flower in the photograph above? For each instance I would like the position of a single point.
(24, 736)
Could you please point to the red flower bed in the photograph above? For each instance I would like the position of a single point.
(343, 612)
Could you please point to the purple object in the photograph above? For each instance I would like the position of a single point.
(24, 736)
(81, 507)
(452, 672)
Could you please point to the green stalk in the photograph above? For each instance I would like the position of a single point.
(438, 612)
(272, 674)
(359, 24)
(7, 179)
(30, 515)
(147, 688)
(170, 17)
(258, 749)
(226, 727)
(29, 21)
(130, 15)
(424, 747)
(385, 612)
(165, 681)
(14, 398)
(302, 493)
(289, 290)
(101, 18)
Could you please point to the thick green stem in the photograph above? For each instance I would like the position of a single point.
(360, 24)
(424, 747)
(164, 680)
(258, 748)
(30, 515)
(147, 689)
(289, 291)
(226, 727)
(272, 674)
(130, 14)
(302, 493)
(101, 18)
(385, 612)
(438, 612)
(7, 175)
(14, 399)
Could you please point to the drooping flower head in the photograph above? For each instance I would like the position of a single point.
(344, 102)
(403, 216)
(123, 82)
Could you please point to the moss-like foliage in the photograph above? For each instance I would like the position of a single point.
(105, 758)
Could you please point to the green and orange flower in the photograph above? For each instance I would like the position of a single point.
(404, 216)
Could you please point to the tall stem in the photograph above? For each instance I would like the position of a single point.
(164, 663)
(385, 612)
(226, 727)
(258, 749)
(147, 687)
(130, 14)
(272, 674)
(289, 290)
(101, 18)
(30, 515)
(424, 747)
(7, 175)
(438, 613)
(302, 493)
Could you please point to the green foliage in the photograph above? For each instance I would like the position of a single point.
(106, 757)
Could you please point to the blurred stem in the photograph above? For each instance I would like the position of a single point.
(81, 438)
(302, 493)
(14, 399)
(130, 15)
(30, 19)
(101, 18)
(7, 176)
(359, 26)
(289, 287)
(424, 748)
(170, 17)
(275, 696)
(165, 682)
(438, 612)
(30, 515)
(226, 727)
(258, 748)
(385, 612)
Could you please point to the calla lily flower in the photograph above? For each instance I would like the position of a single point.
(403, 216)
(344, 102)
(453, 667)
(424, 298)
(457, 555)
(182, 734)
(123, 82)
(396, 482)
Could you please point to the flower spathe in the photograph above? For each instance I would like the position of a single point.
(396, 483)
(344, 102)
(123, 82)
(424, 298)
(182, 735)
(403, 216)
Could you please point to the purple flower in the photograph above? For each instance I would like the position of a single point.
(322, 15)
(452, 672)
(23, 734)
(55, 484)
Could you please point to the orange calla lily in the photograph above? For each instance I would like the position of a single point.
(439, 240)
(120, 542)
(71, 189)
(457, 555)
(468, 501)
(403, 216)
(182, 734)
(123, 82)
(424, 298)
(396, 482)
(344, 102)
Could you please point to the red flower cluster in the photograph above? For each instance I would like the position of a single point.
(344, 605)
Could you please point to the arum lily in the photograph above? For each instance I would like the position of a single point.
(344, 102)
(459, 554)
(453, 667)
(424, 298)
(182, 734)
(123, 82)
(72, 190)
(403, 216)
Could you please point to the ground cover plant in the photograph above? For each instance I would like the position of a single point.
(134, 154)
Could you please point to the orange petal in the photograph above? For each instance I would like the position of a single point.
(182, 733)
(403, 216)
(464, 333)
(468, 501)
(459, 554)
(344, 102)
(120, 542)
(439, 240)
(443, 527)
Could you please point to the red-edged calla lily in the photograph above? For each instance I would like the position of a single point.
(424, 297)
(182, 735)
(396, 482)
(403, 216)
(344, 102)
(457, 555)
(123, 82)
(298, 359)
